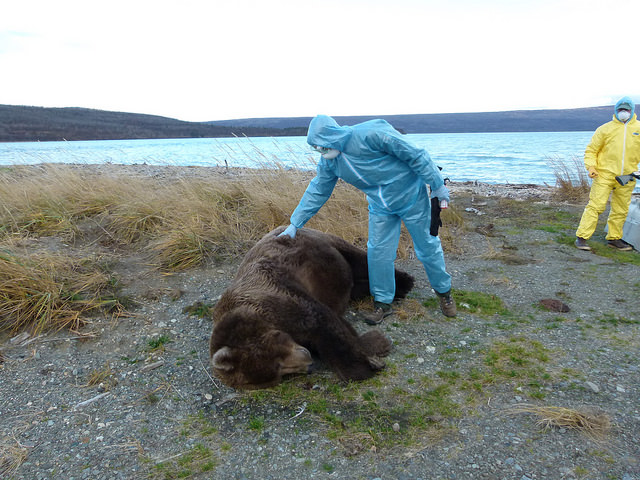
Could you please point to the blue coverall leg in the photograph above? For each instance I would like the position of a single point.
(384, 235)
(427, 247)
(382, 245)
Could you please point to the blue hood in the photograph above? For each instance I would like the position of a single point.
(325, 132)
(627, 102)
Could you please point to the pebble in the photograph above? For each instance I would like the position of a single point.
(593, 387)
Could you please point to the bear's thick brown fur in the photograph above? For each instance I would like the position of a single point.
(287, 299)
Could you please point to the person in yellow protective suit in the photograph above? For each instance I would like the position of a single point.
(613, 150)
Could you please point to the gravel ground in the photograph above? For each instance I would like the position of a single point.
(155, 412)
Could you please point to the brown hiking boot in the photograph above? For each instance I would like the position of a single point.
(581, 243)
(380, 312)
(447, 304)
(619, 244)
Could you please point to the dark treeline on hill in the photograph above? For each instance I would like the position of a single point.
(29, 124)
(567, 120)
(25, 123)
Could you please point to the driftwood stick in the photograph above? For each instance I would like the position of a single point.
(91, 400)
(152, 366)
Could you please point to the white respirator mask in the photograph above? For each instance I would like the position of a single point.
(624, 115)
(327, 153)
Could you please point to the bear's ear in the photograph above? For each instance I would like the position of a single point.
(222, 359)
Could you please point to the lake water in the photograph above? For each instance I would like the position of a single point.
(485, 157)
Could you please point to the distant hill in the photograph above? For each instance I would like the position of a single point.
(567, 120)
(25, 123)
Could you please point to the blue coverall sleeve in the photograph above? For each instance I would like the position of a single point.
(416, 158)
(315, 196)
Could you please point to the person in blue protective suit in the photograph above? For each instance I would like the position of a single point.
(394, 174)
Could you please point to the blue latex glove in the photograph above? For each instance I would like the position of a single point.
(290, 231)
(441, 192)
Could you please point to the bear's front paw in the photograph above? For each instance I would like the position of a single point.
(376, 363)
(375, 343)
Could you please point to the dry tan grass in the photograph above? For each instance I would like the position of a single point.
(43, 292)
(596, 426)
(500, 280)
(411, 309)
(180, 217)
(104, 377)
(572, 181)
(12, 455)
(452, 225)
(503, 256)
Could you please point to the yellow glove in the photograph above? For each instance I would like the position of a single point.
(593, 173)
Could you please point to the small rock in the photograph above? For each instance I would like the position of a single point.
(396, 427)
(593, 387)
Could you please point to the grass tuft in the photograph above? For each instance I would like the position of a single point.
(474, 302)
(104, 377)
(596, 426)
(572, 181)
(12, 455)
(51, 292)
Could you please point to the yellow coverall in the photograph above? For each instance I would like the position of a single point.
(613, 150)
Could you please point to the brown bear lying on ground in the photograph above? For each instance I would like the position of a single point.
(287, 300)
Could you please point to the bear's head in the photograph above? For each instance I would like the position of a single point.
(256, 360)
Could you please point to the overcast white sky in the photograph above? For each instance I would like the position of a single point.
(201, 60)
